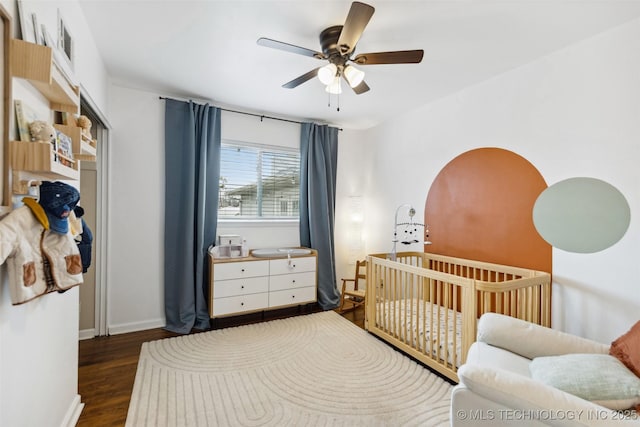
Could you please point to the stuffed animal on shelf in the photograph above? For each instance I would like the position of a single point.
(42, 131)
(85, 124)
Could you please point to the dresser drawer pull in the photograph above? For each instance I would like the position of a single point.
(241, 303)
(241, 286)
(242, 270)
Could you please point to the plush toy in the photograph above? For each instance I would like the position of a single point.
(85, 124)
(42, 131)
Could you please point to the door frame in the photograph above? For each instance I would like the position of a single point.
(101, 244)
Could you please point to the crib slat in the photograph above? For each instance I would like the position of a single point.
(455, 335)
(443, 342)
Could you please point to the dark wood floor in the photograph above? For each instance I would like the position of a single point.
(107, 368)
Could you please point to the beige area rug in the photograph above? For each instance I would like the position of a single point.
(313, 370)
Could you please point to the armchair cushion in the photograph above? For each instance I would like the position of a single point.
(627, 349)
(599, 378)
(530, 340)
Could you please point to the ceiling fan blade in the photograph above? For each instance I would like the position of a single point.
(361, 88)
(357, 19)
(263, 41)
(303, 78)
(396, 57)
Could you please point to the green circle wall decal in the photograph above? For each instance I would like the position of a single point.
(583, 215)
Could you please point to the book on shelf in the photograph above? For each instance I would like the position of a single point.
(64, 149)
(24, 116)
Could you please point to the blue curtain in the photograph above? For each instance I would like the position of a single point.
(192, 174)
(318, 164)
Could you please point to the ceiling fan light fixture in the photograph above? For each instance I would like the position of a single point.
(353, 75)
(327, 74)
(335, 87)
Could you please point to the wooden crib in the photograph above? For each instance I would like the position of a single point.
(428, 305)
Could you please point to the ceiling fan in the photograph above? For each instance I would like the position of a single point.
(338, 45)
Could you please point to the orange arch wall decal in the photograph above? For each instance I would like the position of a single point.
(480, 206)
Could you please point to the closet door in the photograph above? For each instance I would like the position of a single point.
(88, 185)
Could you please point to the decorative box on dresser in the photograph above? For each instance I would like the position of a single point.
(243, 285)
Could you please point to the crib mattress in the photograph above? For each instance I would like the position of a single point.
(419, 324)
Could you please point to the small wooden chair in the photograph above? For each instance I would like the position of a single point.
(356, 296)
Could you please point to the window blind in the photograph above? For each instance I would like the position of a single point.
(258, 182)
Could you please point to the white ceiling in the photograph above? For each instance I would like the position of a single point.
(206, 50)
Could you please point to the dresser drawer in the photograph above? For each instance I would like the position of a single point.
(240, 304)
(295, 265)
(237, 270)
(292, 296)
(291, 281)
(250, 285)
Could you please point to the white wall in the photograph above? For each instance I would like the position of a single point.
(352, 213)
(573, 113)
(39, 355)
(39, 339)
(136, 211)
(136, 218)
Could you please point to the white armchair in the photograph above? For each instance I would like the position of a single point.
(497, 388)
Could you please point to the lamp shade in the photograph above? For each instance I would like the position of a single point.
(335, 87)
(327, 73)
(353, 75)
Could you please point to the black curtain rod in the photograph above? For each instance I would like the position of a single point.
(262, 116)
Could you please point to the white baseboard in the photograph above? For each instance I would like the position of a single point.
(124, 328)
(87, 334)
(73, 413)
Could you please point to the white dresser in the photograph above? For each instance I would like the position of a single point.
(243, 285)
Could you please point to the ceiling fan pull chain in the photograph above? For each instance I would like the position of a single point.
(338, 109)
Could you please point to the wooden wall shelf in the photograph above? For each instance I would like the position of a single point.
(82, 148)
(35, 63)
(38, 159)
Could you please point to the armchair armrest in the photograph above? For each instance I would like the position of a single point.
(530, 340)
(524, 394)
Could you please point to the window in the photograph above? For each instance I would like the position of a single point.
(258, 182)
